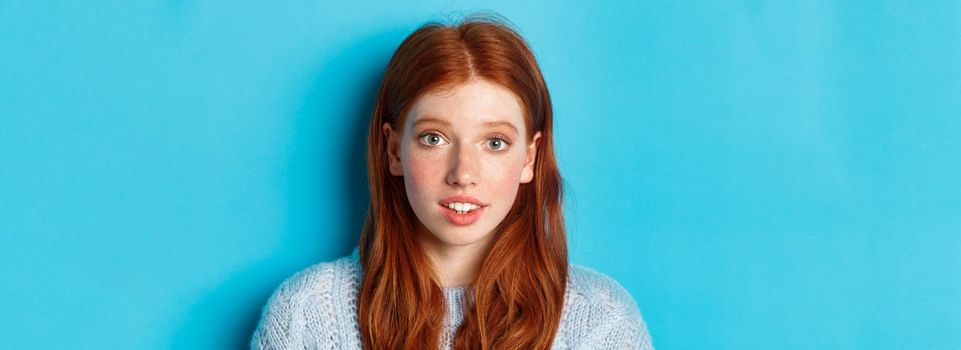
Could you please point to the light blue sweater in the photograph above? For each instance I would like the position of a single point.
(317, 309)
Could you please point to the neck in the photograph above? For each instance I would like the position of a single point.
(457, 265)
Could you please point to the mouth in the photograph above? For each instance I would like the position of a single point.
(462, 204)
(462, 210)
(462, 207)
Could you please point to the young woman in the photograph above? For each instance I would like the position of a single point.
(464, 244)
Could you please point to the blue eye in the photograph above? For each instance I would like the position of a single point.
(431, 139)
(497, 143)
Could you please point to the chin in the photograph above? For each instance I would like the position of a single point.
(459, 237)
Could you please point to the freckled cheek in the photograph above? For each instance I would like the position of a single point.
(422, 174)
(504, 177)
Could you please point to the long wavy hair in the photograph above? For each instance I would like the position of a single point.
(518, 293)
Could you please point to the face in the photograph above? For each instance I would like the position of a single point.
(463, 154)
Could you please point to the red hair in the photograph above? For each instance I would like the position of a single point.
(518, 293)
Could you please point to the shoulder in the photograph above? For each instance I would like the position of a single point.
(310, 305)
(335, 276)
(599, 311)
(600, 291)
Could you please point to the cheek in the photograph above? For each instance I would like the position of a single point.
(504, 176)
(506, 188)
(422, 174)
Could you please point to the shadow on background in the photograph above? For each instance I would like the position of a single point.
(356, 73)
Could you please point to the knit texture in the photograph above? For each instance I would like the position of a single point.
(317, 309)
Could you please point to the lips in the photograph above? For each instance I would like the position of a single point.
(460, 219)
(462, 210)
(462, 199)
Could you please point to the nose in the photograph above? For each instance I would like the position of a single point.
(462, 171)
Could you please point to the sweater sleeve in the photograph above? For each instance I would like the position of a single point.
(621, 332)
(279, 327)
(609, 315)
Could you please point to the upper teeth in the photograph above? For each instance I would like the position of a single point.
(462, 207)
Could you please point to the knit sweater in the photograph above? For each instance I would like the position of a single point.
(316, 308)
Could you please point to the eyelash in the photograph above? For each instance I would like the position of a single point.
(502, 138)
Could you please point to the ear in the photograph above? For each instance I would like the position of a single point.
(393, 158)
(528, 173)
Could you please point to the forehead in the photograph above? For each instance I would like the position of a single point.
(476, 103)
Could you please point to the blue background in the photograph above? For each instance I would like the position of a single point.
(757, 174)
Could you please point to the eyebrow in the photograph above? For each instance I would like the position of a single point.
(509, 125)
(430, 120)
(445, 123)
